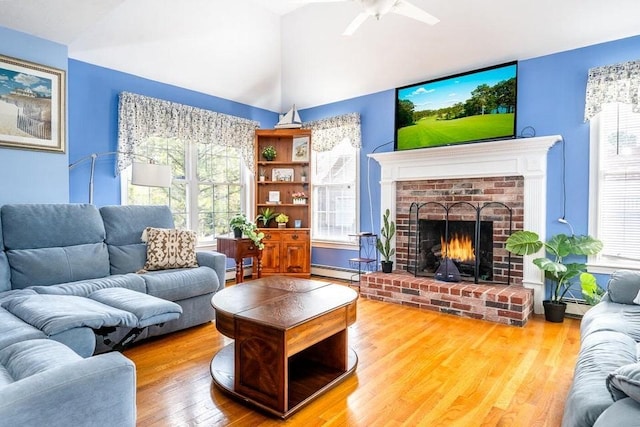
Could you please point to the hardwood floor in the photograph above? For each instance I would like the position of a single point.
(415, 369)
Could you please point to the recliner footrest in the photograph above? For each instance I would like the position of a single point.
(149, 310)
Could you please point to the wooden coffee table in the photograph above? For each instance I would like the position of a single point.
(290, 341)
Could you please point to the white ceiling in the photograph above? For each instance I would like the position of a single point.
(274, 53)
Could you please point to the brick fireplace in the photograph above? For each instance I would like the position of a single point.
(510, 171)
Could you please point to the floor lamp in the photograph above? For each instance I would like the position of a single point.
(145, 174)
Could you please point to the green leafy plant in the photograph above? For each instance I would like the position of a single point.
(266, 215)
(282, 219)
(248, 228)
(387, 232)
(557, 248)
(269, 152)
(591, 291)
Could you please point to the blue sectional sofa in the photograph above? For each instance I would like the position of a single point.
(72, 285)
(606, 385)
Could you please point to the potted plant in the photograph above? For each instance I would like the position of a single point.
(383, 245)
(237, 224)
(269, 153)
(591, 291)
(262, 174)
(282, 220)
(303, 175)
(240, 225)
(556, 269)
(266, 215)
(299, 198)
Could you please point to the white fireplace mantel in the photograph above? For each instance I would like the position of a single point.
(526, 157)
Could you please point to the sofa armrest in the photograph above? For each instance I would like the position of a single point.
(214, 260)
(100, 390)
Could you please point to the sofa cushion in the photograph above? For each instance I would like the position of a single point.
(84, 288)
(27, 358)
(54, 314)
(30, 226)
(53, 243)
(624, 286)
(47, 266)
(124, 226)
(13, 330)
(623, 412)
(176, 285)
(170, 248)
(625, 382)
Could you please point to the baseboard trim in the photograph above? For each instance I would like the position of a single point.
(577, 308)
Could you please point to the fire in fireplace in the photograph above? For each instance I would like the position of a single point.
(435, 246)
(459, 241)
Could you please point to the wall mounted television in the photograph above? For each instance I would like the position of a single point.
(475, 106)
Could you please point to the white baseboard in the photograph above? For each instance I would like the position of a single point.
(577, 308)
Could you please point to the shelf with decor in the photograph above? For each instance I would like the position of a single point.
(282, 186)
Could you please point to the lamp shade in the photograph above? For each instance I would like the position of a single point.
(151, 175)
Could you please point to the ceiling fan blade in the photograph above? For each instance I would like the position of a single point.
(405, 8)
(356, 23)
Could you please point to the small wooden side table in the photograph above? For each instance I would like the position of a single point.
(239, 249)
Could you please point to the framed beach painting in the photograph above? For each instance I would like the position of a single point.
(300, 149)
(32, 106)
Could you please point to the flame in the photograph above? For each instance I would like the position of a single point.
(459, 248)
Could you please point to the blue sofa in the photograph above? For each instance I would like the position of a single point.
(71, 285)
(606, 384)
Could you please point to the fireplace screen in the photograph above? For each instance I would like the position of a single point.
(458, 237)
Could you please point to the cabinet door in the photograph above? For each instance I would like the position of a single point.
(296, 253)
(271, 254)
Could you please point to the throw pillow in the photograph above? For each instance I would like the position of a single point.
(624, 286)
(170, 248)
(625, 381)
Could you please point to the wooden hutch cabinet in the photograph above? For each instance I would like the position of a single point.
(285, 188)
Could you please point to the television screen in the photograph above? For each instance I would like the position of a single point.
(475, 106)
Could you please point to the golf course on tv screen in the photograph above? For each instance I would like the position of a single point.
(475, 106)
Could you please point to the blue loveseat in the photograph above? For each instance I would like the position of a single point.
(72, 283)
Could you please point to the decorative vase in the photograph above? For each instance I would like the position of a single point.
(387, 266)
(303, 178)
(237, 233)
(554, 311)
(262, 178)
(282, 225)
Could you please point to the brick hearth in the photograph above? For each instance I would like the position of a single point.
(511, 305)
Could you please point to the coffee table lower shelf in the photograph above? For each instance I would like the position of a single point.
(306, 381)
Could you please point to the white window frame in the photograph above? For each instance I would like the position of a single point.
(340, 244)
(600, 263)
(191, 157)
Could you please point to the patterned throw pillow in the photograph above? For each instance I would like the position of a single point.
(170, 248)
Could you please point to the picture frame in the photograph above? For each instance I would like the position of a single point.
(282, 174)
(300, 149)
(32, 106)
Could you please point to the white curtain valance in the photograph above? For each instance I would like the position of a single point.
(612, 83)
(141, 117)
(329, 132)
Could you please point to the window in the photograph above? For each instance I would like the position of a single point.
(615, 183)
(335, 195)
(207, 188)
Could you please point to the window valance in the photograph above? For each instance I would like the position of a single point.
(141, 117)
(329, 132)
(612, 83)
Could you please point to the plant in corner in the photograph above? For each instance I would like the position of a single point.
(383, 245)
(266, 215)
(556, 270)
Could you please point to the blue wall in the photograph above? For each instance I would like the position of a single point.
(93, 118)
(551, 97)
(33, 176)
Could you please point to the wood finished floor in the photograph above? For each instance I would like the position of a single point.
(415, 369)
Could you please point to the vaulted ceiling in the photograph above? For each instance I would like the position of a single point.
(274, 53)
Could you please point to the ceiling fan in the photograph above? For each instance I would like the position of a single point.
(378, 8)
